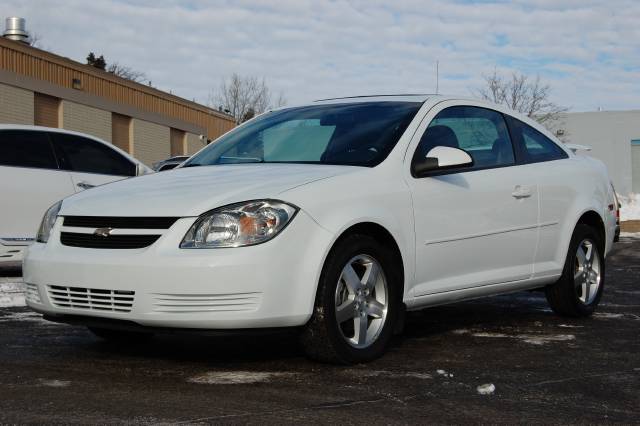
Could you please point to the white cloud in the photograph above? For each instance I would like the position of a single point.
(587, 50)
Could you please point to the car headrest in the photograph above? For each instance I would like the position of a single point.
(440, 135)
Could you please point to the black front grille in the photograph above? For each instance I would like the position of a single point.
(74, 239)
(120, 222)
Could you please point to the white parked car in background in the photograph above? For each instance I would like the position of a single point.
(39, 166)
(332, 217)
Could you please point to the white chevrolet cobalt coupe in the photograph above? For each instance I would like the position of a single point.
(332, 218)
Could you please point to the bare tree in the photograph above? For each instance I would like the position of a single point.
(524, 95)
(127, 72)
(244, 97)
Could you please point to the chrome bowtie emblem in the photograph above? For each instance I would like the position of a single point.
(103, 232)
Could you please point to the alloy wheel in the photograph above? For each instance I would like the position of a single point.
(587, 273)
(361, 301)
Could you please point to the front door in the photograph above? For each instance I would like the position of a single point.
(475, 225)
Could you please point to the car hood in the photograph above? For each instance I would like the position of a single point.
(192, 191)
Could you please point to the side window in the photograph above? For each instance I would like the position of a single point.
(80, 154)
(481, 132)
(535, 146)
(23, 148)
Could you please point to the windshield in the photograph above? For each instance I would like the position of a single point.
(357, 134)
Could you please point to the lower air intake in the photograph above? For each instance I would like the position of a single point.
(91, 298)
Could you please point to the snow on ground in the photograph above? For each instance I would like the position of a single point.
(392, 374)
(630, 209)
(532, 339)
(612, 315)
(54, 383)
(630, 235)
(486, 389)
(25, 316)
(11, 293)
(235, 377)
(444, 373)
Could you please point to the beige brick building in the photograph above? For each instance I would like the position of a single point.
(40, 88)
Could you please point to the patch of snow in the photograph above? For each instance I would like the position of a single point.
(611, 315)
(486, 389)
(25, 316)
(630, 209)
(633, 235)
(391, 374)
(55, 383)
(541, 340)
(416, 375)
(11, 294)
(489, 334)
(608, 315)
(235, 377)
(533, 339)
(444, 373)
(570, 326)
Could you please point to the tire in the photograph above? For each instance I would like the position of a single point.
(579, 289)
(363, 303)
(120, 336)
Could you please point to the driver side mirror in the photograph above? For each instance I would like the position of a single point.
(440, 158)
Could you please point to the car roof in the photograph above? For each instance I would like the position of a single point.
(50, 129)
(411, 97)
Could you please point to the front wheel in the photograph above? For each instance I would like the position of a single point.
(357, 303)
(579, 289)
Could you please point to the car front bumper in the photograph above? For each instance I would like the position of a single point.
(11, 254)
(263, 286)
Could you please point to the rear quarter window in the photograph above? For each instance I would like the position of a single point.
(533, 145)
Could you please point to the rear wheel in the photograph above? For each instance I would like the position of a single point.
(120, 336)
(579, 289)
(357, 303)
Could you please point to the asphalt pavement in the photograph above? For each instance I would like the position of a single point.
(502, 360)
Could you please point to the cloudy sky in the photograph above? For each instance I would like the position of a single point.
(588, 51)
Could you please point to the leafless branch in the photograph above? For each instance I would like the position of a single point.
(244, 97)
(522, 94)
(127, 72)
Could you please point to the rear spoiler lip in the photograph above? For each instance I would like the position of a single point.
(576, 147)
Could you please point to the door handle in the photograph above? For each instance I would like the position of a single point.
(521, 191)
(84, 185)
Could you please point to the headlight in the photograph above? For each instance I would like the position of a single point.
(47, 222)
(242, 224)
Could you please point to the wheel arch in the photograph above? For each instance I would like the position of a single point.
(588, 217)
(594, 220)
(382, 235)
